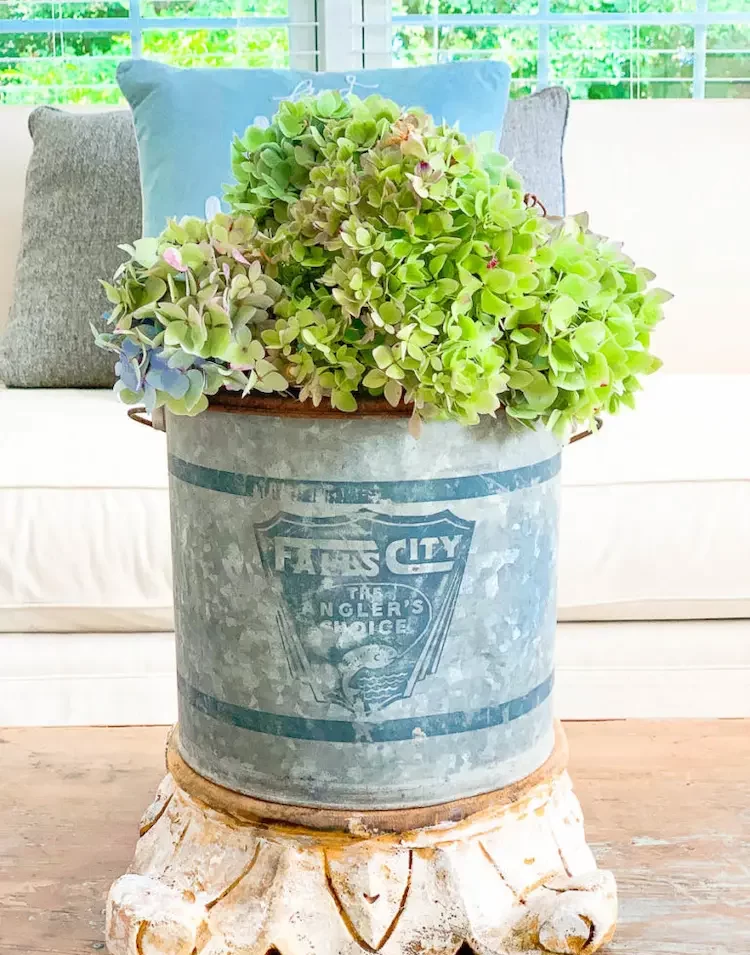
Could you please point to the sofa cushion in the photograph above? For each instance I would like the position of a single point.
(185, 118)
(81, 200)
(655, 517)
(83, 502)
(655, 513)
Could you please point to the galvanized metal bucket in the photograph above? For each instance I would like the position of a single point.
(363, 620)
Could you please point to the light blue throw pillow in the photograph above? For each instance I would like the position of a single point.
(185, 119)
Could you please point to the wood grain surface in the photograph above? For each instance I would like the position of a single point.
(667, 808)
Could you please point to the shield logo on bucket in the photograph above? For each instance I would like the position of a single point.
(365, 599)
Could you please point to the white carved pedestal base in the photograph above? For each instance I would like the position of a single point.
(217, 873)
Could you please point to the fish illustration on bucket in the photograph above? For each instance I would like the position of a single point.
(365, 599)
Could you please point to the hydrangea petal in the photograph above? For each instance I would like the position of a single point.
(172, 257)
(213, 207)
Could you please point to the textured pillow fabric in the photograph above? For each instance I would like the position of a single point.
(82, 200)
(185, 118)
(533, 135)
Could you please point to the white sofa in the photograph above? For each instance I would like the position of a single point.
(654, 592)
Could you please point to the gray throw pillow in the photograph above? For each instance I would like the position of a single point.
(82, 200)
(533, 135)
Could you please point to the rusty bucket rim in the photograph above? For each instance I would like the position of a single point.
(289, 406)
(251, 810)
(280, 406)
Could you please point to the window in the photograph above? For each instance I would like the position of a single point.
(68, 50)
(598, 49)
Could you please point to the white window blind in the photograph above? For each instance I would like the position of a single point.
(68, 50)
(598, 49)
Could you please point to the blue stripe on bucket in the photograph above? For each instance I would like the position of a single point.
(364, 492)
(346, 731)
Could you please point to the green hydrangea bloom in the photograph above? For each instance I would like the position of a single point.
(187, 309)
(396, 258)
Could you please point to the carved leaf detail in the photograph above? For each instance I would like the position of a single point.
(161, 800)
(370, 890)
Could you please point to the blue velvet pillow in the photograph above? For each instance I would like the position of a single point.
(185, 118)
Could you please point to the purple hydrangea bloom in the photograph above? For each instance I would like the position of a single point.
(131, 366)
(131, 349)
(163, 377)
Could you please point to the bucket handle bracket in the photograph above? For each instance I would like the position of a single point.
(586, 434)
(157, 421)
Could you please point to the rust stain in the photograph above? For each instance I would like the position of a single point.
(576, 944)
(202, 938)
(609, 935)
(563, 861)
(150, 825)
(357, 831)
(142, 928)
(525, 934)
(528, 889)
(592, 930)
(570, 943)
(235, 882)
(336, 827)
(566, 867)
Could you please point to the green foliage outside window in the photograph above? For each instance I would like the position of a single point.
(594, 61)
(80, 67)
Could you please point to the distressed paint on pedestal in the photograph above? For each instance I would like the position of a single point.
(363, 620)
(516, 877)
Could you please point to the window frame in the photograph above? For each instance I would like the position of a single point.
(345, 35)
(699, 20)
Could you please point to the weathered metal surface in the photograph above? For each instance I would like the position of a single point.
(248, 809)
(364, 620)
(511, 879)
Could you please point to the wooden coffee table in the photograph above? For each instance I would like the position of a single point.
(666, 804)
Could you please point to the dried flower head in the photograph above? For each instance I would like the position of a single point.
(370, 251)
